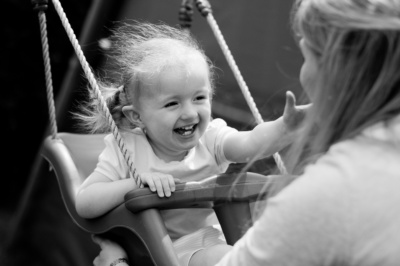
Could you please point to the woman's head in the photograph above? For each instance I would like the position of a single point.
(354, 78)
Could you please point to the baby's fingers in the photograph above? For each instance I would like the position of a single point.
(163, 184)
(151, 184)
(158, 186)
(168, 184)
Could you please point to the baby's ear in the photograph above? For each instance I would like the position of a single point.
(132, 115)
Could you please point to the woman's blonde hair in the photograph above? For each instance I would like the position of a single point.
(139, 51)
(357, 43)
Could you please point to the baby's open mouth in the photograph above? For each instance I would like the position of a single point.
(185, 131)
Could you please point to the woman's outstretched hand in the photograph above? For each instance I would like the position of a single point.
(293, 115)
(110, 252)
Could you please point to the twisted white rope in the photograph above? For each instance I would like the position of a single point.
(97, 92)
(231, 62)
(239, 78)
(47, 71)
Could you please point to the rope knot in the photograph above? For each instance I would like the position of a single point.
(186, 13)
(39, 5)
(204, 7)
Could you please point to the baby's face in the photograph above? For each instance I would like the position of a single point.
(176, 109)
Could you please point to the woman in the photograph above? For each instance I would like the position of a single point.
(343, 207)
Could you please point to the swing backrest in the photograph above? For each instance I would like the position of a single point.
(84, 150)
(73, 157)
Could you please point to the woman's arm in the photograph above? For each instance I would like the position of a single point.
(304, 224)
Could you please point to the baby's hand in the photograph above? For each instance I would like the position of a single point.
(162, 183)
(293, 115)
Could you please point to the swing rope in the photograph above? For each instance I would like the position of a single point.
(93, 85)
(205, 9)
(46, 59)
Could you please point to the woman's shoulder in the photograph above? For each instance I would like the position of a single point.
(355, 164)
(376, 147)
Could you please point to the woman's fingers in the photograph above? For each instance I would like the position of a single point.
(290, 99)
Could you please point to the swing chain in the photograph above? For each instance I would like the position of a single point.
(204, 7)
(40, 5)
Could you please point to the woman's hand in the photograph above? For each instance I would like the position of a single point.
(110, 251)
(163, 184)
(293, 115)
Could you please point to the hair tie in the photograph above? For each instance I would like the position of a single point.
(120, 90)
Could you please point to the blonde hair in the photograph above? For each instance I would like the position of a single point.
(358, 83)
(139, 51)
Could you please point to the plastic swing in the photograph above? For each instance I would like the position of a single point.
(136, 224)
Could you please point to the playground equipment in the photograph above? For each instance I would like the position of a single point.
(137, 224)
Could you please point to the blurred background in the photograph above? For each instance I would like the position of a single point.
(35, 229)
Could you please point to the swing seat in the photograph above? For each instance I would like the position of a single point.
(137, 224)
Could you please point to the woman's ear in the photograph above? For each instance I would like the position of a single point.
(132, 115)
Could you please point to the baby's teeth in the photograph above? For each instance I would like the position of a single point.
(185, 130)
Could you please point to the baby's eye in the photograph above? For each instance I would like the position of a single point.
(201, 97)
(171, 104)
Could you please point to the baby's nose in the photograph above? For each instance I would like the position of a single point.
(188, 112)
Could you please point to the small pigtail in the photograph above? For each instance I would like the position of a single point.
(117, 102)
(93, 119)
(115, 99)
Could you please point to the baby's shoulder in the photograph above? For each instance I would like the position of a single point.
(129, 139)
(217, 123)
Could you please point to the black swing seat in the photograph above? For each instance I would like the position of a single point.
(137, 224)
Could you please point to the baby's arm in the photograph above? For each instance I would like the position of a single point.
(266, 138)
(99, 194)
